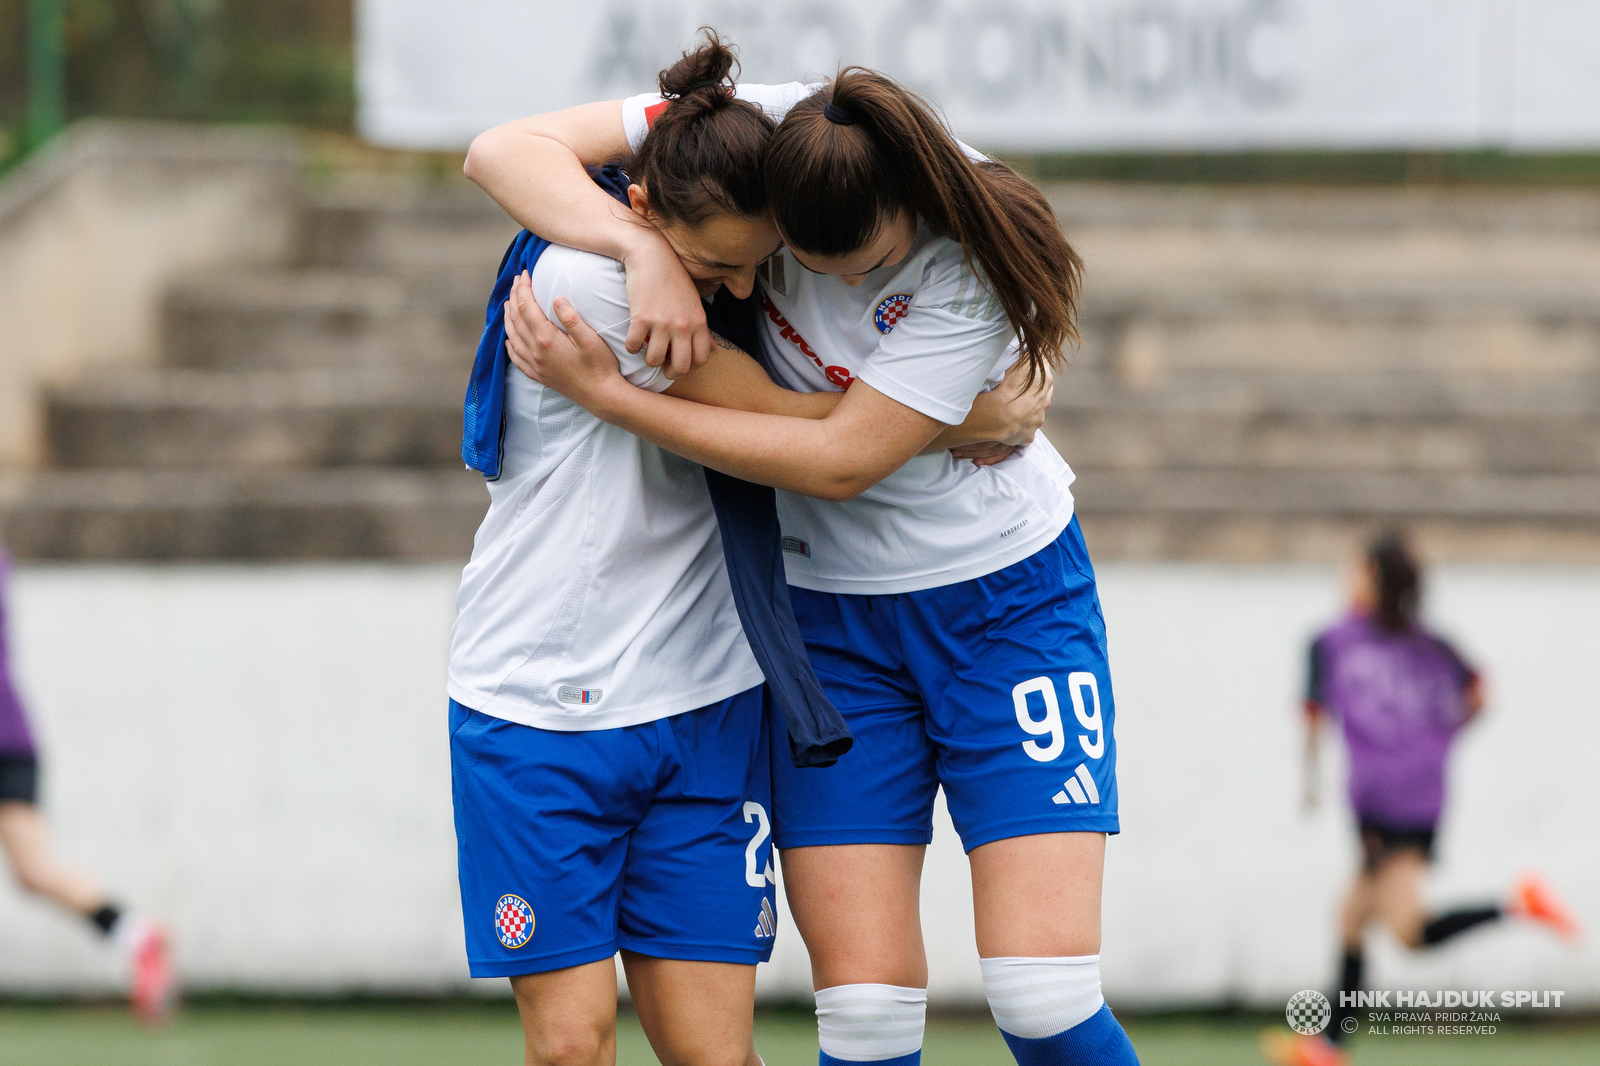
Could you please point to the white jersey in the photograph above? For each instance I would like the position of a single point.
(927, 333)
(596, 596)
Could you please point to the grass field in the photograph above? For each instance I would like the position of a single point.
(487, 1033)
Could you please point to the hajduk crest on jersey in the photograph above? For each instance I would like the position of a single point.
(891, 310)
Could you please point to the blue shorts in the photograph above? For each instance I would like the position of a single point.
(652, 838)
(996, 688)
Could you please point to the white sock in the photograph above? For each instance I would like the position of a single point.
(1036, 998)
(865, 1023)
(130, 931)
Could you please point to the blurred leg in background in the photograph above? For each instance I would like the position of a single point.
(26, 843)
(40, 872)
(1389, 889)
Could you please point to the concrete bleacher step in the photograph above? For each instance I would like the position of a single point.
(1265, 375)
(1287, 210)
(1573, 498)
(1334, 332)
(1147, 234)
(1269, 537)
(289, 320)
(1124, 389)
(1255, 515)
(261, 420)
(404, 230)
(1111, 441)
(353, 513)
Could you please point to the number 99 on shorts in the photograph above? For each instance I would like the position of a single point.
(1085, 694)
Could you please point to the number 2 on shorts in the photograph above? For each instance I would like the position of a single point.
(1051, 725)
(754, 812)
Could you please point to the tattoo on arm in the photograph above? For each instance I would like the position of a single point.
(723, 342)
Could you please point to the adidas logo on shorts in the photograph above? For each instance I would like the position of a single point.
(1079, 788)
(766, 921)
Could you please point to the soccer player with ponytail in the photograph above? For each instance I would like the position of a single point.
(857, 168)
(609, 748)
(949, 608)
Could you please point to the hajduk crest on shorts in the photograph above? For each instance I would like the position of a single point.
(513, 921)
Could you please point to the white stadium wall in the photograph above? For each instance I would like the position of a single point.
(1029, 75)
(259, 754)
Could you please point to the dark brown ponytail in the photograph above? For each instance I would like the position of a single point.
(1399, 582)
(704, 151)
(835, 181)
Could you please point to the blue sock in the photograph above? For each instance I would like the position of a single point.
(1099, 1041)
(913, 1059)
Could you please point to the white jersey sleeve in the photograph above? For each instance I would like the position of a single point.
(598, 290)
(776, 100)
(949, 344)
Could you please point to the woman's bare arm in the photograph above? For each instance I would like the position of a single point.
(865, 438)
(1007, 416)
(534, 169)
(733, 380)
(1311, 781)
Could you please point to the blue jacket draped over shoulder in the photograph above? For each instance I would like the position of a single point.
(747, 514)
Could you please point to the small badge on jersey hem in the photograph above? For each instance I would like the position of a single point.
(513, 921)
(891, 310)
(568, 694)
(796, 546)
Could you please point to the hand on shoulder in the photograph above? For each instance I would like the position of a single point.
(576, 363)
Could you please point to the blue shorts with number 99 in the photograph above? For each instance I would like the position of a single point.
(996, 688)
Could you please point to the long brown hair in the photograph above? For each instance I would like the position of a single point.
(1398, 580)
(847, 158)
(704, 151)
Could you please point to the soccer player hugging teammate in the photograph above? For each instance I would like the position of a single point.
(609, 741)
(1400, 694)
(949, 607)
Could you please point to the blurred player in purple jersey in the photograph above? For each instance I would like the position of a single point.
(1400, 694)
(26, 844)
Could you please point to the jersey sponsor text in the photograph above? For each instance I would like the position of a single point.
(836, 374)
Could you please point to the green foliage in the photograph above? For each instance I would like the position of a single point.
(13, 143)
(204, 60)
